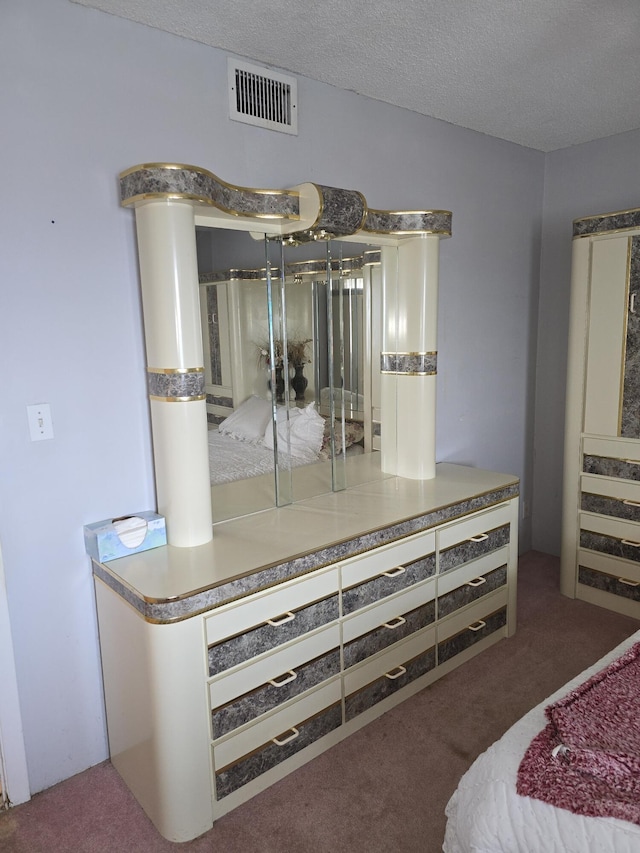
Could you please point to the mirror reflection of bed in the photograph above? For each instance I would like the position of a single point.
(314, 371)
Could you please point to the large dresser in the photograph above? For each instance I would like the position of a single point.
(601, 504)
(228, 665)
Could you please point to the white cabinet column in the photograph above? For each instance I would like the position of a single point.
(175, 365)
(409, 357)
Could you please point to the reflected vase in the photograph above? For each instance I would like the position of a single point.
(279, 371)
(299, 381)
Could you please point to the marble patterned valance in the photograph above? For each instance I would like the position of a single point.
(338, 212)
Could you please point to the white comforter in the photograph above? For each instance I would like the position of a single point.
(486, 815)
(231, 459)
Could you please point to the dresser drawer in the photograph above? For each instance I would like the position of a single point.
(625, 587)
(392, 631)
(473, 537)
(609, 457)
(276, 618)
(387, 570)
(607, 496)
(240, 695)
(244, 756)
(612, 536)
(254, 610)
(470, 590)
(271, 634)
(370, 683)
(275, 692)
(471, 634)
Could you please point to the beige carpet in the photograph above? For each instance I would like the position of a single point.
(383, 789)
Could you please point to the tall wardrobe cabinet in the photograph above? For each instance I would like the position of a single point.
(601, 503)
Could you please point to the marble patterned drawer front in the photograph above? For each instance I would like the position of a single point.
(607, 466)
(624, 587)
(389, 683)
(275, 692)
(271, 634)
(471, 549)
(472, 634)
(386, 635)
(393, 581)
(471, 591)
(617, 507)
(283, 746)
(627, 549)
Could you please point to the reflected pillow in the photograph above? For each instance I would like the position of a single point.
(249, 420)
(353, 433)
(300, 436)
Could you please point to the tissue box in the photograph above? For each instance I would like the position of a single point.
(121, 537)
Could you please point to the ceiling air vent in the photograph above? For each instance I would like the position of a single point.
(262, 97)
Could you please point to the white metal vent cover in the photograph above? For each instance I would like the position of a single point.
(262, 97)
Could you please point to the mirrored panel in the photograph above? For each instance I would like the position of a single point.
(292, 365)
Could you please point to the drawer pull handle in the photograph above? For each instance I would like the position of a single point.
(632, 461)
(632, 303)
(628, 583)
(284, 679)
(477, 582)
(395, 623)
(629, 542)
(281, 741)
(281, 620)
(631, 503)
(393, 573)
(395, 673)
(478, 626)
(479, 538)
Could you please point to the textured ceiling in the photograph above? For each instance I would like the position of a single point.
(542, 73)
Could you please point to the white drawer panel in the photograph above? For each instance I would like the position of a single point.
(461, 619)
(358, 569)
(236, 618)
(610, 526)
(258, 734)
(470, 571)
(615, 448)
(359, 676)
(614, 566)
(378, 614)
(610, 487)
(474, 525)
(229, 686)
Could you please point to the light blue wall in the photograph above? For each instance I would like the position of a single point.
(85, 95)
(584, 180)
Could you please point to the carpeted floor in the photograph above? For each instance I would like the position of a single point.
(384, 789)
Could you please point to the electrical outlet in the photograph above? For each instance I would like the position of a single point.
(40, 423)
(525, 509)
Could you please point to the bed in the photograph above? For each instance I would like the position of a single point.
(242, 446)
(487, 815)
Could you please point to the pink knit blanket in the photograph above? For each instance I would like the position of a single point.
(587, 758)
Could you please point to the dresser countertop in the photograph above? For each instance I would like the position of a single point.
(253, 552)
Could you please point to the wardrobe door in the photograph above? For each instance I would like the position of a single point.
(607, 319)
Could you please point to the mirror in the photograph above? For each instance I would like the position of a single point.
(292, 374)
